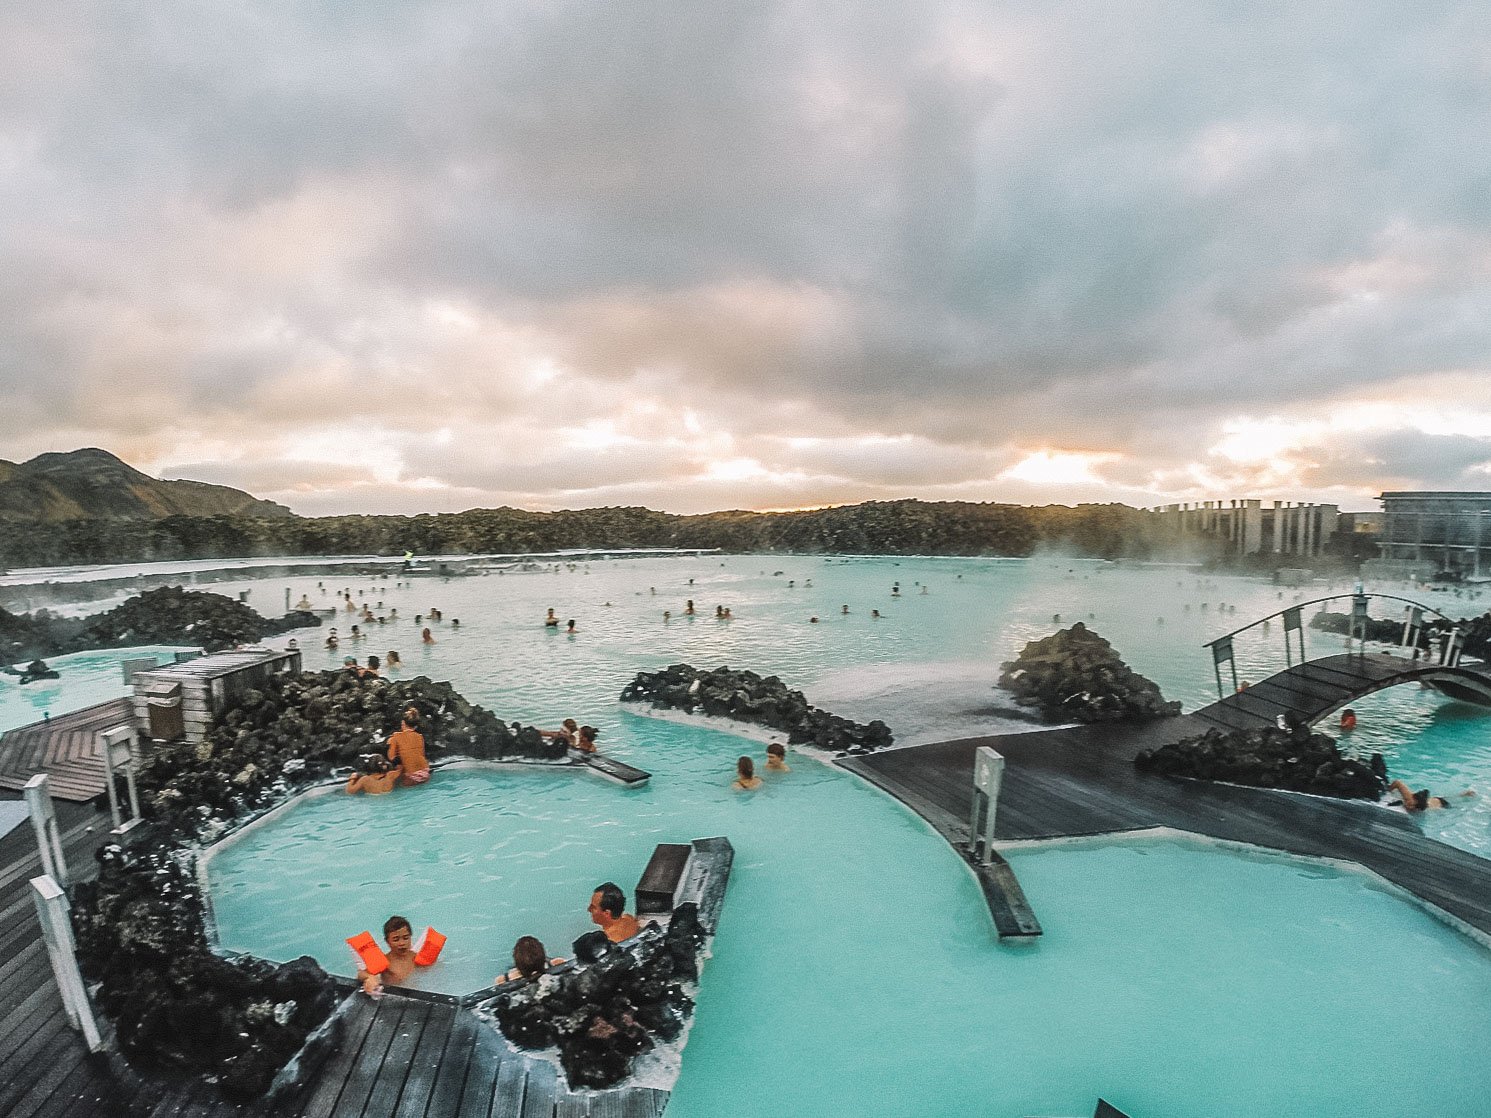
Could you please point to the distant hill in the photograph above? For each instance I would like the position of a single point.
(92, 484)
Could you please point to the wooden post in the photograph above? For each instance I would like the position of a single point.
(116, 744)
(44, 823)
(988, 778)
(56, 930)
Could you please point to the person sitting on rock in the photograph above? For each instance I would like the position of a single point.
(406, 748)
(530, 960)
(776, 758)
(378, 780)
(352, 667)
(399, 936)
(746, 779)
(608, 910)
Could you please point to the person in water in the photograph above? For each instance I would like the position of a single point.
(372, 668)
(530, 959)
(427, 636)
(608, 911)
(392, 660)
(776, 758)
(399, 938)
(378, 780)
(1415, 802)
(1348, 720)
(550, 620)
(406, 748)
(585, 739)
(746, 779)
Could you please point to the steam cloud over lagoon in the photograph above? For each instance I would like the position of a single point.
(392, 257)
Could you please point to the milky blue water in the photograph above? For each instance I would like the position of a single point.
(855, 971)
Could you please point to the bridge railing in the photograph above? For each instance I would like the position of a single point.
(1294, 631)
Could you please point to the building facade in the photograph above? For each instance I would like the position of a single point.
(1248, 527)
(1450, 530)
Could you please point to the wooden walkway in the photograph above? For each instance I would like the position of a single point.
(65, 748)
(1317, 688)
(1082, 781)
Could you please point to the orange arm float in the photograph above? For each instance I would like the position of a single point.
(430, 948)
(373, 959)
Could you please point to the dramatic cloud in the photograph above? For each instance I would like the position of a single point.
(403, 257)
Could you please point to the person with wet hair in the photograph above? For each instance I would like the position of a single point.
(746, 779)
(377, 778)
(776, 758)
(530, 960)
(608, 911)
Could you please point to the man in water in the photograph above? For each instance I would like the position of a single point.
(608, 910)
(406, 748)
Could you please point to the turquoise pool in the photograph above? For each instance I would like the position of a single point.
(855, 971)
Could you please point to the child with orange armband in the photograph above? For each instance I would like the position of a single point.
(397, 965)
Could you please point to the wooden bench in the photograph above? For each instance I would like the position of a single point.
(657, 890)
(618, 771)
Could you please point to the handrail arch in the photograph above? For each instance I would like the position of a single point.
(1329, 598)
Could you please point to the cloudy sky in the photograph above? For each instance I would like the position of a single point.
(376, 256)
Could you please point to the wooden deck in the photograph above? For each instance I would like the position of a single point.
(1082, 781)
(65, 748)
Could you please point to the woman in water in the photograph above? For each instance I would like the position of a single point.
(746, 779)
(530, 960)
(427, 636)
(392, 660)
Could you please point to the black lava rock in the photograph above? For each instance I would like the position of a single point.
(748, 697)
(1293, 759)
(1075, 676)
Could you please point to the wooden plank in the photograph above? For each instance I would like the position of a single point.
(370, 1061)
(540, 1089)
(319, 1099)
(450, 1081)
(1013, 918)
(481, 1075)
(399, 1064)
(507, 1098)
(424, 1065)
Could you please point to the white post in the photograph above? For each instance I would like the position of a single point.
(116, 746)
(988, 777)
(44, 823)
(56, 930)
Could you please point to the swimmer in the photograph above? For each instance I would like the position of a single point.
(304, 603)
(608, 910)
(585, 739)
(351, 666)
(1415, 802)
(568, 732)
(427, 636)
(812, 621)
(844, 610)
(551, 620)
(356, 633)
(667, 616)
(378, 779)
(455, 623)
(530, 959)
(688, 608)
(776, 758)
(874, 615)
(391, 660)
(746, 779)
(331, 639)
(570, 628)
(372, 668)
(1348, 720)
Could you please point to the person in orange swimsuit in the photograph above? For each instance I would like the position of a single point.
(406, 748)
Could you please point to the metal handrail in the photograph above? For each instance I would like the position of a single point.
(1328, 598)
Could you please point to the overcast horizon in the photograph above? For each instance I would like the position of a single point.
(422, 258)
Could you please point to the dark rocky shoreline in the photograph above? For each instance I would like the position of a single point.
(1294, 759)
(1074, 675)
(168, 615)
(760, 700)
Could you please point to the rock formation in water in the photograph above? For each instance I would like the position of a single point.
(1075, 676)
(748, 697)
(1293, 759)
(178, 1008)
(604, 1012)
(296, 729)
(168, 615)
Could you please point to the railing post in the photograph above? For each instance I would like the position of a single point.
(988, 778)
(116, 744)
(56, 930)
(44, 822)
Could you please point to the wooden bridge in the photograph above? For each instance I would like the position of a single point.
(65, 748)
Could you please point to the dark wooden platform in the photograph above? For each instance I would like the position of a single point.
(1082, 781)
(65, 748)
(618, 771)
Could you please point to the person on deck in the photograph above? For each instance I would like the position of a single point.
(608, 911)
(406, 748)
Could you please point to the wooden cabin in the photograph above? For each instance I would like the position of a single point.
(179, 701)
